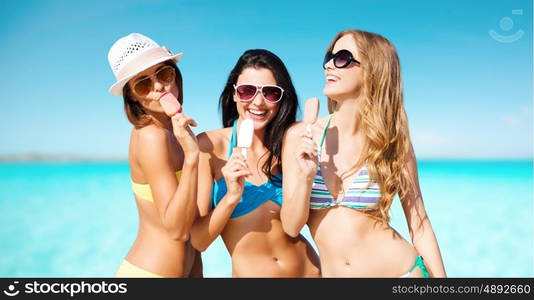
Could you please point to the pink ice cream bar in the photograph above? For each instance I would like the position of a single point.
(311, 110)
(170, 104)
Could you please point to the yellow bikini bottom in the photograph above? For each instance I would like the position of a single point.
(128, 270)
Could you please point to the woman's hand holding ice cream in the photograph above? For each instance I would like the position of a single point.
(180, 125)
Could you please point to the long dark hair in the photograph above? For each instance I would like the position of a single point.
(288, 105)
(135, 112)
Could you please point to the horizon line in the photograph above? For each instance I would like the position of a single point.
(110, 158)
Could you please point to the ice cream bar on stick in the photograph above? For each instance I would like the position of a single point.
(244, 139)
(170, 104)
(311, 110)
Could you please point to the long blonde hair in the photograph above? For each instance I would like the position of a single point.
(383, 118)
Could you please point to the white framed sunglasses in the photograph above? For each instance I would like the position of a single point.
(247, 91)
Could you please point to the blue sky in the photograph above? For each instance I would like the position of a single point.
(468, 95)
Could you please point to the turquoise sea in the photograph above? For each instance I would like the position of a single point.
(79, 219)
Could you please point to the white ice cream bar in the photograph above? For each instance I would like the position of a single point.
(244, 139)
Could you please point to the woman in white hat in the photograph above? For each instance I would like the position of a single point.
(163, 157)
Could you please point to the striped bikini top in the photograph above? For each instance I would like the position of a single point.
(363, 192)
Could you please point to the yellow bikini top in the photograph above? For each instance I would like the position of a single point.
(144, 191)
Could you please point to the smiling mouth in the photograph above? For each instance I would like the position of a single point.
(330, 79)
(257, 114)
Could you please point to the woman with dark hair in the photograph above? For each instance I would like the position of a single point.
(240, 198)
(163, 157)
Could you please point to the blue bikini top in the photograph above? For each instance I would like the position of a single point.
(253, 195)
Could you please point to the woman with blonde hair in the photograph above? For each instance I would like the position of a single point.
(163, 157)
(342, 172)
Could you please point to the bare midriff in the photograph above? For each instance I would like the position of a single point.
(353, 244)
(155, 250)
(260, 248)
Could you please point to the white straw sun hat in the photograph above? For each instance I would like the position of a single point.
(133, 54)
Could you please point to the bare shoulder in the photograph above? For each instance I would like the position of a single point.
(214, 141)
(150, 135)
(294, 130)
(321, 122)
(149, 151)
(150, 142)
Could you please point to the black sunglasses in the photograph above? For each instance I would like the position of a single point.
(342, 59)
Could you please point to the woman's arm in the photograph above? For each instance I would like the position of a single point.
(299, 165)
(210, 224)
(175, 202)
(421, 232)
